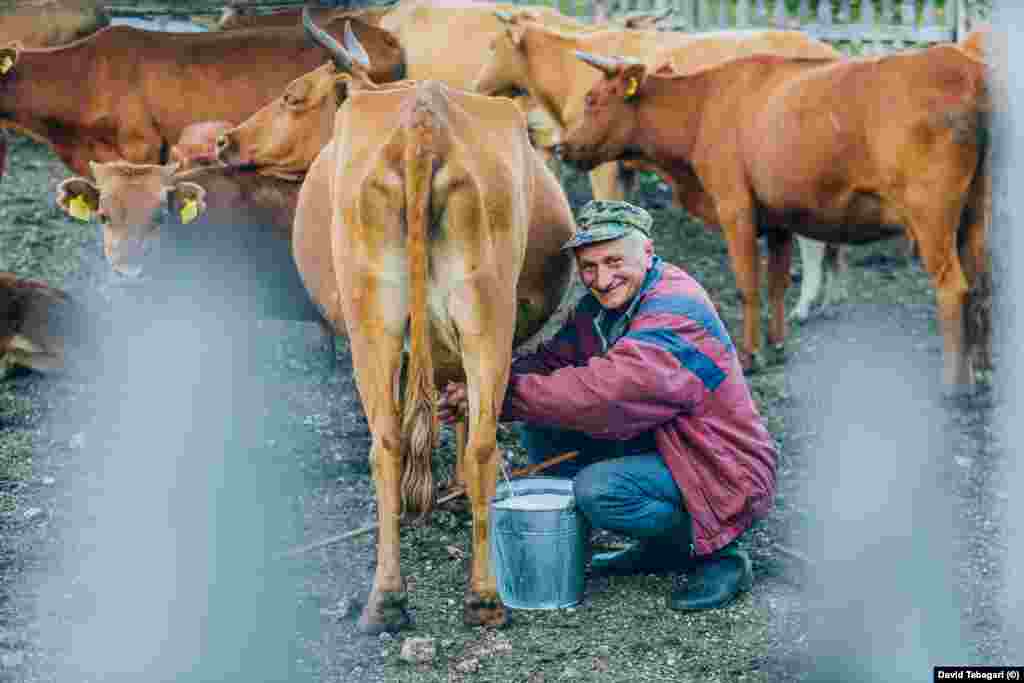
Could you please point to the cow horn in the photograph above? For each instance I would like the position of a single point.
(341, 58)
(605, 64)
(354, 47)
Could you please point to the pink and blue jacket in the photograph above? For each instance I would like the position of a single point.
(668, 365)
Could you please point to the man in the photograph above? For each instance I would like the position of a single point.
(645, 383)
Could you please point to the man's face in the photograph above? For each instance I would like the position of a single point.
(614, 270)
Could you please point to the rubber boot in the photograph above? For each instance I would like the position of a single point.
(714, 581)
(661, 555)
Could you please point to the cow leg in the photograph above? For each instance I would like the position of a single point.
(605, 182)
(975, 258)
(934, 231)
(812, 257)
(461, 427)
(838, 268)
(486, 355)
(741, 238)
(780, 256)
(376, 358)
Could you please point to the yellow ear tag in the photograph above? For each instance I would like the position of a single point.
(631, 87)
(6, 64)
(79, 208)
(189, 211)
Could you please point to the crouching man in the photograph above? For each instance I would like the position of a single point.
(644, 381)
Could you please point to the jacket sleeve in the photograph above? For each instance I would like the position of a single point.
(661, 368)
(557, 352)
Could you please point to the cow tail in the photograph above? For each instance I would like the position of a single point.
(418, 419)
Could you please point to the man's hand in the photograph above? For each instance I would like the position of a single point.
(453, 404)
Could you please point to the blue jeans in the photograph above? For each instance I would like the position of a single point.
(620, 486)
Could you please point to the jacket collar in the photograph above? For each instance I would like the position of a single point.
(621, 323)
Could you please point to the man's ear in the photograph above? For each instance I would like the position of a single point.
(188, 200)
(633, 75)
(78, 197)
(9, 57)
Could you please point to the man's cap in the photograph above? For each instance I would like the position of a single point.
(604, 219)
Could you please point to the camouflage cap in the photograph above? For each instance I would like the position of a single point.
(604, 219)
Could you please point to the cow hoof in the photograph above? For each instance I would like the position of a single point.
(385, 612)
(481, 611)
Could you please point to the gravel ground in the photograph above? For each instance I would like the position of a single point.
(854, 546)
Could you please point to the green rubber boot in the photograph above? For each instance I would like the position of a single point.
(714, 581)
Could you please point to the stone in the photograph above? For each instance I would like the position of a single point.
(418, 650)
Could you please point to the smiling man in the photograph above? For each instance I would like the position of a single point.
(644, 381)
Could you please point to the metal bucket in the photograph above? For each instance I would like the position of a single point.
(539, 544)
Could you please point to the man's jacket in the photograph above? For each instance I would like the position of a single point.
(666, 364)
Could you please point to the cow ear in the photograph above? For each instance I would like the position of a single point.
(78, 197)
(633, 75)
(9, 57)
(188, 199)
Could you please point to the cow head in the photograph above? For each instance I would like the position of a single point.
(197, 145)
(506, 70)
(283, 138)
(132, 202)
(605, 131)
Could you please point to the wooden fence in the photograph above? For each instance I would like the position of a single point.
(854, 26)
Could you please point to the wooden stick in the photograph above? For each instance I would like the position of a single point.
(451, 495)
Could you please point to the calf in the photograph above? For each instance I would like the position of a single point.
(842, 151)
(37, 324)
(233, 226)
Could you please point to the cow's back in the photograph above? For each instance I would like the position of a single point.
(52, 23)
(707, 49)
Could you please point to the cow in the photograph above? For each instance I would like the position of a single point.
(233, 225)
(197, 144)
(529, 56)
(842, 151)
(127, 94)
(444, 228)
(38, 323)
(52, 22)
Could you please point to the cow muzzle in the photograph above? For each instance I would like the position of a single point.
(228, 152)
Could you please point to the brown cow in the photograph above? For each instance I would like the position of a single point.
(52, 22)
(197, 145)
(529, 56)
(848, 151)
(125, 93)
(161, 223)
(37, 324)
(444, 227)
